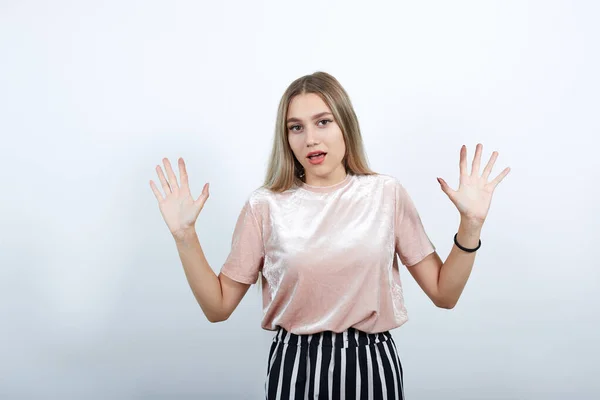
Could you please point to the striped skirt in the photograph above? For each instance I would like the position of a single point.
(327, 365)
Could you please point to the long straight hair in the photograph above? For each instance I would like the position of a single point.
(284, 170)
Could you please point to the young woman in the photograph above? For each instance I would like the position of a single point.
(321, 236)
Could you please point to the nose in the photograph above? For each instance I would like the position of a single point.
(311, 136)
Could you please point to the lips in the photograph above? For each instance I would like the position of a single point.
(314, 154)
(316, 157)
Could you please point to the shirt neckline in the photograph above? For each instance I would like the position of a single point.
(330, 188)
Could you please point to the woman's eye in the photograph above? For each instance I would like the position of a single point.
(292, 128)
(325, 120)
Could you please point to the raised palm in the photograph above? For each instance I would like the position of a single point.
(474, 194)
(178, 208)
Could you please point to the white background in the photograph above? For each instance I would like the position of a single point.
(93, 299)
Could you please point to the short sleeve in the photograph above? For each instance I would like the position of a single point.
(246, 256)
(412, 242)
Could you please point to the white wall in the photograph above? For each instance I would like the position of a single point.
(93, 299)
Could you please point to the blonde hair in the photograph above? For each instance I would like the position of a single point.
(284, 170)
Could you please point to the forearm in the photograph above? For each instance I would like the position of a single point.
(204, 283)
(456, 269)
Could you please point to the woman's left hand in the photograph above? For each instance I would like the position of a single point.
(474, 194)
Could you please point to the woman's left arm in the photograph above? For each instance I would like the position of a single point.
(444, 282)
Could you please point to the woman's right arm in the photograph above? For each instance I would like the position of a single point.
(218, 296)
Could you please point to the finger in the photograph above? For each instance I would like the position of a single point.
(156, 192)
(183, 176)
(463, 160)
(163, 180)
(203, 196)
(488, 168)
(445, 187)
(172, 178)
(476, 160)
(500, 177)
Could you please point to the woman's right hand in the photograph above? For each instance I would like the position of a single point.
(178, 208)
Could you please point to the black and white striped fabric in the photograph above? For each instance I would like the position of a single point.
(352, 365)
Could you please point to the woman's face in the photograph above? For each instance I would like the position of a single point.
(312, 129)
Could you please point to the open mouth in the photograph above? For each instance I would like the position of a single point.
(317, 158)
(317, 155)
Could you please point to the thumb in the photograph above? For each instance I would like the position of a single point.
(203, 196)
(446, 188)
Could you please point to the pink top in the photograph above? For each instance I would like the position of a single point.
(328, 254)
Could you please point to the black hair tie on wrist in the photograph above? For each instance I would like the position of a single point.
(464, 248)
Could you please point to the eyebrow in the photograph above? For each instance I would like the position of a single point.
(319, 115)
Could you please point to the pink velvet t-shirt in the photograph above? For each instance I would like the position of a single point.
(328, 254)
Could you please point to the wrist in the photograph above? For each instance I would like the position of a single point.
(470, 224)
(185, 235)
(469, 233)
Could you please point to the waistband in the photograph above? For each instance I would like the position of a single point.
(349, 338)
